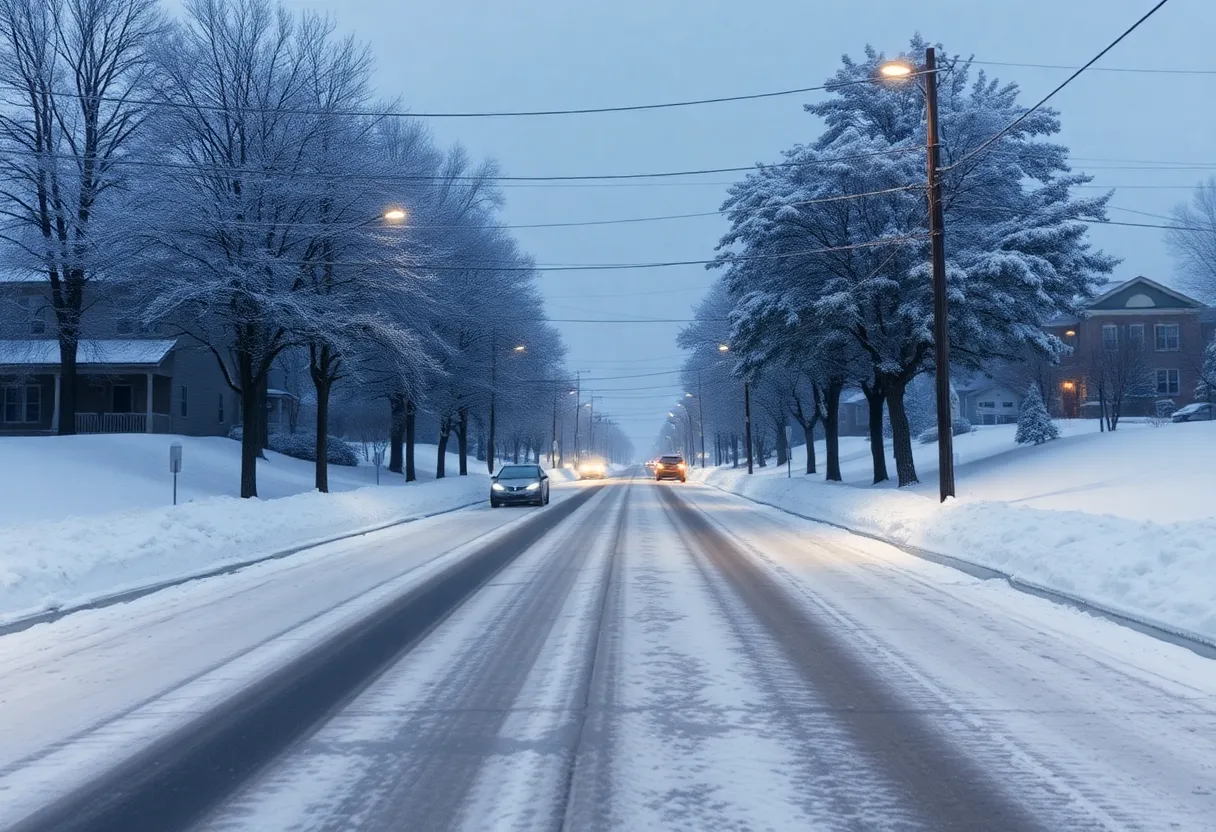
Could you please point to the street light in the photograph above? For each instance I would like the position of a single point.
(937, 245)
(395, 215)
(723, 348)
(519, 348)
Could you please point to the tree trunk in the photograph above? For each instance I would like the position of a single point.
(490, 437)
(251, 447)
(760, 450)
(831, 429)
(411, 419)
(874, 399)
(808, 433)
(261, 419)
(901, 434)
(445, 428)
(734, 447)
(396, 432)
(515, 450)
(67, 383)
(322, 465)
(462, 441)
(782, 450)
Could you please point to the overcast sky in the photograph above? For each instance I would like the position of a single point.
(481, 55)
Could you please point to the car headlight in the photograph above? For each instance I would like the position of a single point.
(532, 486)
(497, 487)
(658, 465)
(681, 466)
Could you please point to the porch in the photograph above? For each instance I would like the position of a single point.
(121, 387)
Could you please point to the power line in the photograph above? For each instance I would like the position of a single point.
(1061, 86)
(305, 111)
(1099, 68)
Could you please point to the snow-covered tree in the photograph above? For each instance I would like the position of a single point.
(72, 76)
(1206, 388)
(804, 250)
(1193, 242)
(1034, 425)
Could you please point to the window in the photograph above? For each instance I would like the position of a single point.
(124, 326)
(221, 407)
(184, 409)
(23, 403)
(1110, 337)
(1006, 404)
(1135, 334)
(32, 311)
(124, 399)
(987, 404)
(1168, 382)
(1167, 337)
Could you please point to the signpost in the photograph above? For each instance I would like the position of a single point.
(378, 457)
(175, 465)
(789, 451)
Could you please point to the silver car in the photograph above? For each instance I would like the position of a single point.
(519, 485)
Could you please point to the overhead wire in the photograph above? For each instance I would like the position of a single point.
(1004, 130)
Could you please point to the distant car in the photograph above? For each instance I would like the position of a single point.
(592, 469)
(519, 485)
(670, 468)
(1197, 412)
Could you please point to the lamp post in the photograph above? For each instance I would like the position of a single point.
(747, 413)
(701, 415)
(937, 247)
(578, 408)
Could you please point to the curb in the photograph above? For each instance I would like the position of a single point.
(48, 616)
(1196, 643)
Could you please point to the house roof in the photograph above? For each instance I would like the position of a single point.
(92, 352)
(1110, 289)
(852, 397)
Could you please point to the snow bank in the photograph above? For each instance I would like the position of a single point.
(1126, 520)
(71, 561)
(49, 478)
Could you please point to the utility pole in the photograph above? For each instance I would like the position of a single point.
(493, 385)
(553, 444)
(937, 242)
(701, 410)
(578, 408)
(747, 423)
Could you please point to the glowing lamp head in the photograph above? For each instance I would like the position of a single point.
(395, 215)
(895, 69)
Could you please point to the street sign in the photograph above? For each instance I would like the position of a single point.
(175, 465)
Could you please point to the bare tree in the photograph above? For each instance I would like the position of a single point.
(1117, 373)
(1193, 243)
(70, 76)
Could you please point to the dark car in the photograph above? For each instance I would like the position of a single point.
(670, 468)
(1197, 412)
(519, 485)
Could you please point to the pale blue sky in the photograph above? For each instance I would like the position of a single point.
(537, 54)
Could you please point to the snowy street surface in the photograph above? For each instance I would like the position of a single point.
(664, 657)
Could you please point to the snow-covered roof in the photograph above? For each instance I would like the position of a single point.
(852, 397)
(113, 352)
(10, 275)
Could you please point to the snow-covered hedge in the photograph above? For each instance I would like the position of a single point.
(958, 427)
(304, 446)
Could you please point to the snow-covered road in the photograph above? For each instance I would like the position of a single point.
(665, 657)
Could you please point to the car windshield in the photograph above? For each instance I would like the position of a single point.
(1190, 408)
(519, 472)
(672, 460)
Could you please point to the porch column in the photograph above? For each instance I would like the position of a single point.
(55, 409)
(148, 426)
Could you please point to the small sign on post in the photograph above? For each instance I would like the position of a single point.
(175, 465)
(789, 451)
(378, 458)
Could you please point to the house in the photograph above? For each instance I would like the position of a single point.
(132, 377)
(1161, 332)
(987, 401)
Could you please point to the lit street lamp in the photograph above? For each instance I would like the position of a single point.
(395, 215)
(937, 244)
(747, 413)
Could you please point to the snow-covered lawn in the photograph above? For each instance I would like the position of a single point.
(1124, 519)
(88, 516)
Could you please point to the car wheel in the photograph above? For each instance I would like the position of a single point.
(494, 504)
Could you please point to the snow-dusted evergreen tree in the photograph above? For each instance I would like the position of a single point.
(1205, 390)
(805, 252)
(1034, 425)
